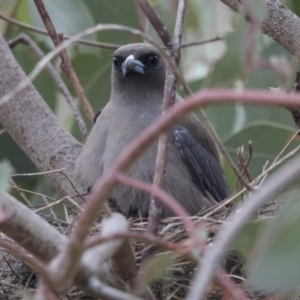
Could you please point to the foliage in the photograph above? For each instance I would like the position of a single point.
(274, 245)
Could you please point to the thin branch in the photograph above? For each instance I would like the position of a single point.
(190, 226)
(66, 37)
(44, 243)
(160, 194)
(149, 239)
(36, 264)
(286, 32)
(156, 22)
(213, 258)
(25, 39)
(36, 236)
(176, 40)
(43, 62)
(159, 27)
(107, 46)
(98, 289)
(36, 174)
(11, 13)
(168, 102)
(104, 185)
(201, 42)
(66, 65)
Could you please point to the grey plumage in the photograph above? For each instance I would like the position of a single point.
(193, 173)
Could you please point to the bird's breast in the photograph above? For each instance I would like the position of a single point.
(128, 123)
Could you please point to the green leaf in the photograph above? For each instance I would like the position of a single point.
(225, 71)
(68, 17)
(275, 265)
(5, 170)
(244, 241)
(268, 139)
(258, 9)
(157, 266)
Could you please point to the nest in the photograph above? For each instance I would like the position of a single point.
(18, 280)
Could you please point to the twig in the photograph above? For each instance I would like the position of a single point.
(43, 62)
(25, 39)
(168, 103)
(277, 159)
(36, 174)
(66, 37)
(162, 31)
(11, 13)
(190, 226)
(98, 289)
(104, 185)
(36, 264)
(176, 40)
(94, 259)
(73, 185)
(160, 194)
(22, 194)
(107, 46)
(66, 65)
(211, 261)
(201, 42)
(285, 33)
(259, 178)
(49, 205)
(156, 22)
(150, 239)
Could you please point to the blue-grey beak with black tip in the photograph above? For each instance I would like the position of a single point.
(131, 64)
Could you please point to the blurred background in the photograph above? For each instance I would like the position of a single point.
(228, 62)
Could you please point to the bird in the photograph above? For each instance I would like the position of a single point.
(194, 176)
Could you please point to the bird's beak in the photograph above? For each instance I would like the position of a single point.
(132, 65)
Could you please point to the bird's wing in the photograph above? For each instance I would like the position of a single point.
(204, 168)
(97, 115)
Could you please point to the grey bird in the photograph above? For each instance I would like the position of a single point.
(194, 176)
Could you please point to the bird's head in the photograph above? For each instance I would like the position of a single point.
(138, 67)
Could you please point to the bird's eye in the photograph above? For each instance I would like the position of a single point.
(116, 61)
(152, 59)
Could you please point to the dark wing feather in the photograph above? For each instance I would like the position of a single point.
(205, 170)
(97, 115)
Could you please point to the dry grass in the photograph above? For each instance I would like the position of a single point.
(17, 280)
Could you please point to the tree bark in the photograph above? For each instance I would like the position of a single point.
(34, 127)
(281, 24)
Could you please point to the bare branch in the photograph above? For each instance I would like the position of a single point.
(25, 39)
(66, 37)
(211, 261)
(281, 24)
(14, 7)
(43, 62)
(66, 65)
(104, 186)
(15, 250)
(168, 102)
(34, 234)
(176, 40)
(156, 22)
(162, 196)
(202, 42)
(43, 241)
(98, 289)
(48, 145)
(96, 259)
